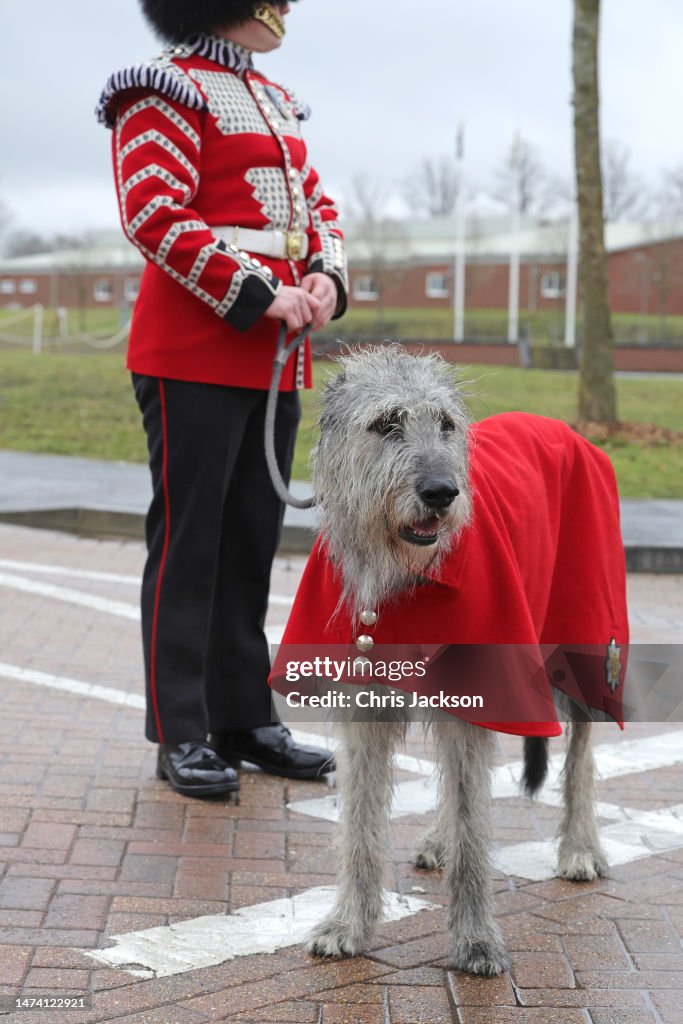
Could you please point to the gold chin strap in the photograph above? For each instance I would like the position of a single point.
(267, 14)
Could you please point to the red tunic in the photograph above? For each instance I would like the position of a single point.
(202, 141)
(541, 565)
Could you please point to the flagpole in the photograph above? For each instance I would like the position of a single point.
(572, 275)
(515, 225)
(459, 265)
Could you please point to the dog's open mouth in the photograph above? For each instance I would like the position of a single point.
(422, 531)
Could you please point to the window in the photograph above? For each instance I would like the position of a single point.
(102, 290)
(131, 288)
(28, 286)
(365, 288)
(7, 286)
(437, 285)
(553, 285)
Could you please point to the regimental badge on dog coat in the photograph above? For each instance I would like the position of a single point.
(541, 564)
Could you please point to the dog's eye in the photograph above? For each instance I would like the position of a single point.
(388, 424)
(447, 424)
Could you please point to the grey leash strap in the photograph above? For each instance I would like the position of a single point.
(284, 351)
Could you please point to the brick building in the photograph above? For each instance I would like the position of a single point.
(406, 264)
(105, 272)
(410, 264)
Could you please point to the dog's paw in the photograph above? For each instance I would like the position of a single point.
(333, 937)
(486, 957)
(429, 853)
(582, 865)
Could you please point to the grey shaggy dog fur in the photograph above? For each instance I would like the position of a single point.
(392, 423)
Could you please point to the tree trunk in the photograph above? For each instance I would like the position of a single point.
(597, 397)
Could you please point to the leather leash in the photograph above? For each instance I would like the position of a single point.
(283, 353)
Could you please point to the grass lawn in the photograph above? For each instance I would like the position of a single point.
(82, 404)
(546, 327)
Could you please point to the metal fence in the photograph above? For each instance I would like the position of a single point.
(27, 327)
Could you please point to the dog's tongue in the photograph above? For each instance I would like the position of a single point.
(426, 527)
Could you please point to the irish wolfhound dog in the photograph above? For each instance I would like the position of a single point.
(392, 471)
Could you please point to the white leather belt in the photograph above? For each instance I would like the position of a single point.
(279, 245)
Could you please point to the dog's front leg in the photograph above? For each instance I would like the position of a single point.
(466, 754)
(366, 777)
(581, 857)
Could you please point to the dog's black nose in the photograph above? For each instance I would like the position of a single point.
(438, 492)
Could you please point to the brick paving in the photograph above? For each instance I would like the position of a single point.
(92, 845)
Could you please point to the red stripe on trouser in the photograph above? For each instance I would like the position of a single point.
(157, 594)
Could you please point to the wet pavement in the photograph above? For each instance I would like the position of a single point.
(93, 846)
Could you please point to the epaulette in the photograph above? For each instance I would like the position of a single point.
(159, 74)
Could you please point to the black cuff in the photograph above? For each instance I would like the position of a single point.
(253, 299)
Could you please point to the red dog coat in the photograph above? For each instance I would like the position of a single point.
(540, 565)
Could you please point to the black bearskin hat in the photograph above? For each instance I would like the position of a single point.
(175, 20)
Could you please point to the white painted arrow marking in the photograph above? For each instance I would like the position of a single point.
(211, 940)
(640, 834)
(612, 760)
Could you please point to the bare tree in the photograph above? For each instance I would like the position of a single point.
(5, 221)
(432, 188)
(671, 196)
(366, 205)
(597, 395)
(24, 242)
(366, 200)
(624, 194)
(522, 181)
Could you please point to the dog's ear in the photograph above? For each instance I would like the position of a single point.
(331, 389)
(332, 384)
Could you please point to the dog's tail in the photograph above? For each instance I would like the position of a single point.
(535, 763)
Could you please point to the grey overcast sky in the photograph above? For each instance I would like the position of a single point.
(388, 83)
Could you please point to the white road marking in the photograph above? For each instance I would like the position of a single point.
(274, 634)
(100, 604)
(79, 597)
(631, 836)
(415, 796)
(640, 834)
(612, 760)
(266, 927)
(211, 940)
(63, 570)
(75, 686)
(189, 945)
(281, 599)
(42, 569)
(420, 766)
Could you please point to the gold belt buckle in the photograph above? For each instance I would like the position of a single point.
(295, 244)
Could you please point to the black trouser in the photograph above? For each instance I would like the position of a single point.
(213, 528)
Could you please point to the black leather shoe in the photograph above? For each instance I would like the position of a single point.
(194, 769)
(272, 748)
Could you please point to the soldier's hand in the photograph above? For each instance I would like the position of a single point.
(324, 290)
(296, 306)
